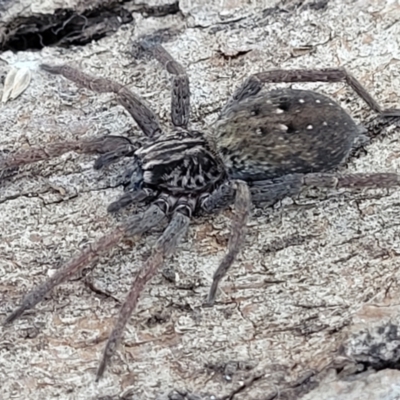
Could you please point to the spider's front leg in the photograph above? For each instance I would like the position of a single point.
(252, 85)
(180, 96)
(111, 148)
(141, 113)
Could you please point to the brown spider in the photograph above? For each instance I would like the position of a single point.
(265, 146)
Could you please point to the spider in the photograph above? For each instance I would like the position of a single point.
(264, 146)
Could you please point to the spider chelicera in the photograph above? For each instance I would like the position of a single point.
(264, 146)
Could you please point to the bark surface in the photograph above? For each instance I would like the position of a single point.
(312, 265)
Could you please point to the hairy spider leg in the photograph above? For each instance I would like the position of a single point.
(135, 225)
(180, 96)
(164, 246)
(102, 145)
(360, 180)
(141, 113)
(131, 197)
(111, 147)
(221, 198)
(250, 87)
(272, 190)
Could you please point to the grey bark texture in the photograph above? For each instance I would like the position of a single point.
(318, 271)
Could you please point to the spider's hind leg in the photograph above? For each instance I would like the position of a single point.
(269, 191)
(378, 180)
(266, 192)
(325, 75)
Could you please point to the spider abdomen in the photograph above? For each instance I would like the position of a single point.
(285, 131)
(180, 165)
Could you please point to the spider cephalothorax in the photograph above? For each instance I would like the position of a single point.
(266, 145)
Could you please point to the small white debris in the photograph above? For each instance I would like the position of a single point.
(51, 272)
(318, 101)
(17, 80)
(8, 84)
(279, 111)
(309, 127)
(301, 101)
(325, 123)
(283, 127)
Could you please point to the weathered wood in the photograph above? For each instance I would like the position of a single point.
(310, 263)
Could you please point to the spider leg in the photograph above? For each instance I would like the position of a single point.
(130, 197)
(250, 87)
(164, 246)
(141, 113)
(180, 100)
(137, 224)
(220, 198)
(237, 236)
(271, 190)
(360, 180)
(113, 155)
(104, 145)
